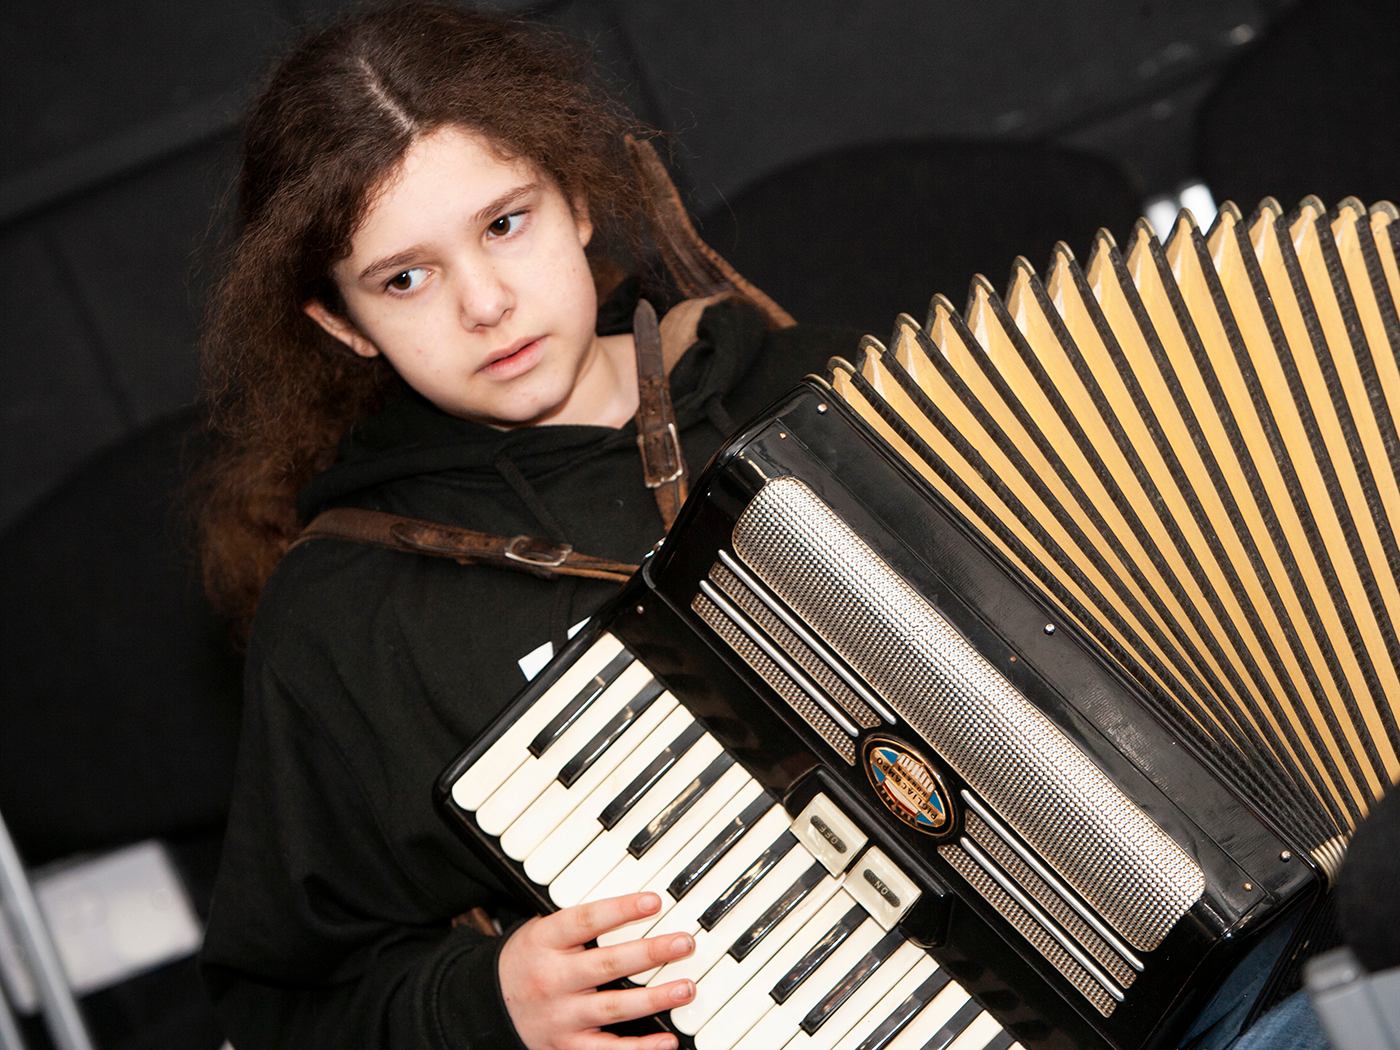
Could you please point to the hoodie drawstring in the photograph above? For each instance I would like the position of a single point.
(521, 486)
(718, 417)
(559, 608)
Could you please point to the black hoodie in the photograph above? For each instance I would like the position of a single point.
(370, 669)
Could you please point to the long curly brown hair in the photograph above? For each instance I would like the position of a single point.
(333, 120)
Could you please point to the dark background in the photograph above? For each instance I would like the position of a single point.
(120, 122)
(852, 159)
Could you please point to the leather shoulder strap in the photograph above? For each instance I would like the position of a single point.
(697, 269)
(681, 326)
(663, 463)
(465, 546)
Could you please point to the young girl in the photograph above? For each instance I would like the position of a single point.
(409, 323)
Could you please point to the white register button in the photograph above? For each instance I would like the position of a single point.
(828, 834)
(885, 891)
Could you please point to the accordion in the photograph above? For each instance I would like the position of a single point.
(1019, 682)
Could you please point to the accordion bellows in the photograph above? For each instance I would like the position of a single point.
(1191, 448)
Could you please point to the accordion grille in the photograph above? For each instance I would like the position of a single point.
(1090, 833)
(821, 674)
(778, 680)
(1053, 904)
(1021, 919)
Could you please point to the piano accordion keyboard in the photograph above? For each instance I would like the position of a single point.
(793, 947)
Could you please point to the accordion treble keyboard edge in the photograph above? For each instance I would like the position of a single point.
(902, 794)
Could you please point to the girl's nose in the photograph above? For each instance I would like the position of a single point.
(485, 298)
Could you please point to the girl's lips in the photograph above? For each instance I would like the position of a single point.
(515, 363)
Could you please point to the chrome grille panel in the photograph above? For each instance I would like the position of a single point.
(1049, 901)
(1049, 792)
(778, 680)
(796, 649)
(961, 862)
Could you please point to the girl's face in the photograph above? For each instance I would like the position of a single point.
(467, 272)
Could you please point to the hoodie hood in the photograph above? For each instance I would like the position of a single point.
(410, 436)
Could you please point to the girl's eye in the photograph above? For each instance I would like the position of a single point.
(506, 224)
(407, 281)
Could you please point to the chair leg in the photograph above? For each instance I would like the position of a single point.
(61, 1014)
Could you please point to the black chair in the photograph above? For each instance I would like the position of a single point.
(858, 236)
(1314, 108)
(1356, 988)
(121, 702)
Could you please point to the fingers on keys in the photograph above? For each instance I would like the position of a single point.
(576, 926)
(605, 965)
(608, 1041)
(626, 1004)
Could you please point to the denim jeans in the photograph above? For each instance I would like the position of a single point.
(1290, 1025)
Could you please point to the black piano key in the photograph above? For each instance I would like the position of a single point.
(906, 1011)
(846, 987)
(655, 770)
(607, 736)
(955, 1026)
(817, 954)
(591, 690)
(680, 805)
(717, 847)
(1001, 1041)
(739, 888)
(777, 911)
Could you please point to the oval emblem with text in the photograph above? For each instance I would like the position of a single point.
(907, 785)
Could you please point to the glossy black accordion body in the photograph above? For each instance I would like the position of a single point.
(931, 718)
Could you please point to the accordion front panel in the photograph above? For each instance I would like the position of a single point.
(1020, 684)
(973, 718)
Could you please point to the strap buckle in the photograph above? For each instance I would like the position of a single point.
(530, 551)
(673, 456)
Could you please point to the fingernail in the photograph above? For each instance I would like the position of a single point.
(682, 991)
(669, 1042)
(649, 902)
(682, 944)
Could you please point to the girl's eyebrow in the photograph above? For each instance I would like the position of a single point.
(490, 211)
(392, 262)
(504, 201)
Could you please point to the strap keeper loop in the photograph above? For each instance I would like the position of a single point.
(530, 551)
(672, 464)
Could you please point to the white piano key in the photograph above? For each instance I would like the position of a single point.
(747, 1006)
(558, 802)
(777, 1025)
(977, 1034)
(713, 943)
(728, 975)
(684, 915)
(837, 1030)
(534, 775)
(876, 1010)
(930, 1019)
(510, 750)
(602, 854)
(571, 837)
(663, 876)
(634, 872)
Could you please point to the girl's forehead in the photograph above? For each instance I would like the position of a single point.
(455, 162)
(443, 180)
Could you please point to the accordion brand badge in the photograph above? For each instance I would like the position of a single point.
(908, 786)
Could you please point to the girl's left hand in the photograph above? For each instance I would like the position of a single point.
(551, 981)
